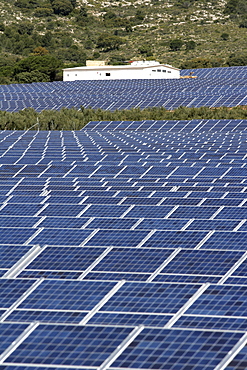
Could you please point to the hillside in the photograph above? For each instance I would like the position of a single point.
(175, 32)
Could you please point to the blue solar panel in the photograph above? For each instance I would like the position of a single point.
(10, 221)
(70, 295)
(18, 367)
(63, 222)
(11, 290)
(202, 262)
(125, 238)
(177, 239)
(128, 319)
(9, 333)
(61, 237)
(227, 225)
(35, 274)
(177, 349)
(105, 211)
(116, 276)
(46, 316)
(226, 240)
(65, 258)
(239, 362)
(11, 254)
(150, 297)
(62, 210)
(194, 212)
(209, 323)
(74, 345)
(233, 213)
(15, 235)
(221, 300)
(193, 279)
(20, 209)
(149, 212)
(111, 223)
(133, 260)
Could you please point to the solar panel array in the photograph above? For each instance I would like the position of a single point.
(123, 246)
(213, 87)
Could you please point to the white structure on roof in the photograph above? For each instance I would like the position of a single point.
(135, 70)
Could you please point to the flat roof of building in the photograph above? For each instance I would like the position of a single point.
(103, 68)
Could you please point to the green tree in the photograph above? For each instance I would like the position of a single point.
(25, 28)
(128, 28)
(62, 7)
(40, 51)
(197, 63)
(175, 44)
(72, 54)
(109, 18)
(73, 3)
(42, 12)
(26, 4)
(243, 23)
(190, 45)
(109, 42)
(117, 59)
(237, 60)
(33, 76)
(224, 36)
(140, 15)
(82, 17)
(45, 64)
(238, 7)
(47, 40)
(146, 50)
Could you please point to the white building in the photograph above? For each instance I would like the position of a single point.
(135, 70)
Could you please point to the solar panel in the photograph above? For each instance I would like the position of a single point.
(129, 319)
(60, 344)
(65, 258)
(183, 349)
(61, 237)
(221, 300)
(9, 333)
(126, 238)
(150, 297)
(29, 316)
(11, 290)
(133, 260)
(59, 295)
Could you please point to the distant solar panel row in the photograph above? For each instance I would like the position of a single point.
(213, 87)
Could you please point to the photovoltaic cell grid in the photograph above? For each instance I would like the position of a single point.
(123, 246)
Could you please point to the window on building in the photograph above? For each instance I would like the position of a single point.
(153, 70)
(163, 70)
(75, 74)
(107, 74)
(158, 70)
(169, 71)
(68, 74)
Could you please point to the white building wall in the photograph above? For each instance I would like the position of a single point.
(155, 72)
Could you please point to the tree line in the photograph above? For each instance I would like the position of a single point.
(74, 119)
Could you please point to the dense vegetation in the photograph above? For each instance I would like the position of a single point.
(73, 119)
(39, 37)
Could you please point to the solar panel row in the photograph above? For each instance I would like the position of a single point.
(214, 87)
